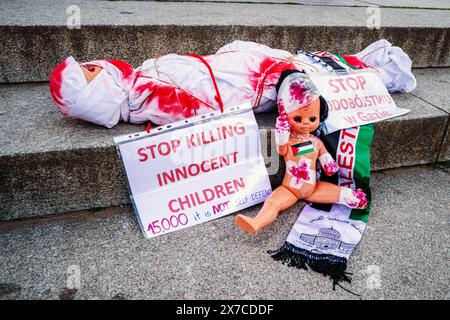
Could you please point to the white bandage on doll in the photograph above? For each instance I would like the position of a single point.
(355, 199)
(301, 172)
(328, 164)
(282, 130)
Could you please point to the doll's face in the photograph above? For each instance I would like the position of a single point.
(306, 119)
(90, 71)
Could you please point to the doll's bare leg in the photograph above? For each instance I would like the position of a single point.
(326, 192)
(280, 199)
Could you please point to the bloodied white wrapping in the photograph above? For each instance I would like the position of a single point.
(175, 87)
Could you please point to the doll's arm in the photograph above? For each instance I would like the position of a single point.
(326, 160)
(282, 131)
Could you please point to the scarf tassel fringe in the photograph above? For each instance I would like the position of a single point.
(328, 265)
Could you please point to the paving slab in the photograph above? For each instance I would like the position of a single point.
(49, 161)
(34, 13)
(36, 36)
(434, 89)
(53, 164)
(412, 4)
(444, 155)
(414, 138)
(403, 4)
(328, 3)
(402, 254)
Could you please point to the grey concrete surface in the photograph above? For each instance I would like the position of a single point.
(403, 4)
(403, 253)
(30, 13)
(414, 138)
(340, 3)
(444, 155)
(432, 4)
(434, 86)
(51, 164)
(36, 37)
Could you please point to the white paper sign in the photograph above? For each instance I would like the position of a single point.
(195, 170)
(355, 99)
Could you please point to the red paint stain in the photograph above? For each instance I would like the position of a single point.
(270, 68)
(282, 123)
(281, 108)
(55, 85)
(330, 168)
(298, 92)
(300, 172)
(126, 68)
(362, 200)
(355, 62)
(169, 99)
(361, 197)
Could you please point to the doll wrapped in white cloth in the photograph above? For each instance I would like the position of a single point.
(96, 91)
(174, 87)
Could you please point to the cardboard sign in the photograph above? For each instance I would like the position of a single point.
(194, 170)
(355, 99)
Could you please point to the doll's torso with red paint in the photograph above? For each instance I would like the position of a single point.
(300, 159)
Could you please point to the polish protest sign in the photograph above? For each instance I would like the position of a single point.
(194, 170)
(355, 99)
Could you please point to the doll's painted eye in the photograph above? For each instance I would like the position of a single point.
(298, 119)
(312, 119)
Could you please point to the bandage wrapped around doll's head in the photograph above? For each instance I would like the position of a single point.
(296, 91)
(102, 101)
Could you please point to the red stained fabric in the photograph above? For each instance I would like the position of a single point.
(55, 84)
(270, 69)
(355, 62)
(213, 78)
(169, 99)
(126, 68)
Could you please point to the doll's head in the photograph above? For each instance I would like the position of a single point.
(90, 71)
(299, 98)
(96, 91)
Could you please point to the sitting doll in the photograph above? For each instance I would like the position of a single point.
(301, 110)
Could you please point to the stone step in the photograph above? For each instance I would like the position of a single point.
(36, 36)
(50, 164)
(411, 4)
(401, 256)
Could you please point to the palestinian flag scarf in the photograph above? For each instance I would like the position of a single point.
(325, 235)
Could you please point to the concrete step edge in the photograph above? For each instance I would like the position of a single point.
(42, 48)
(215, 260)
(36, 35)
(52, 164)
